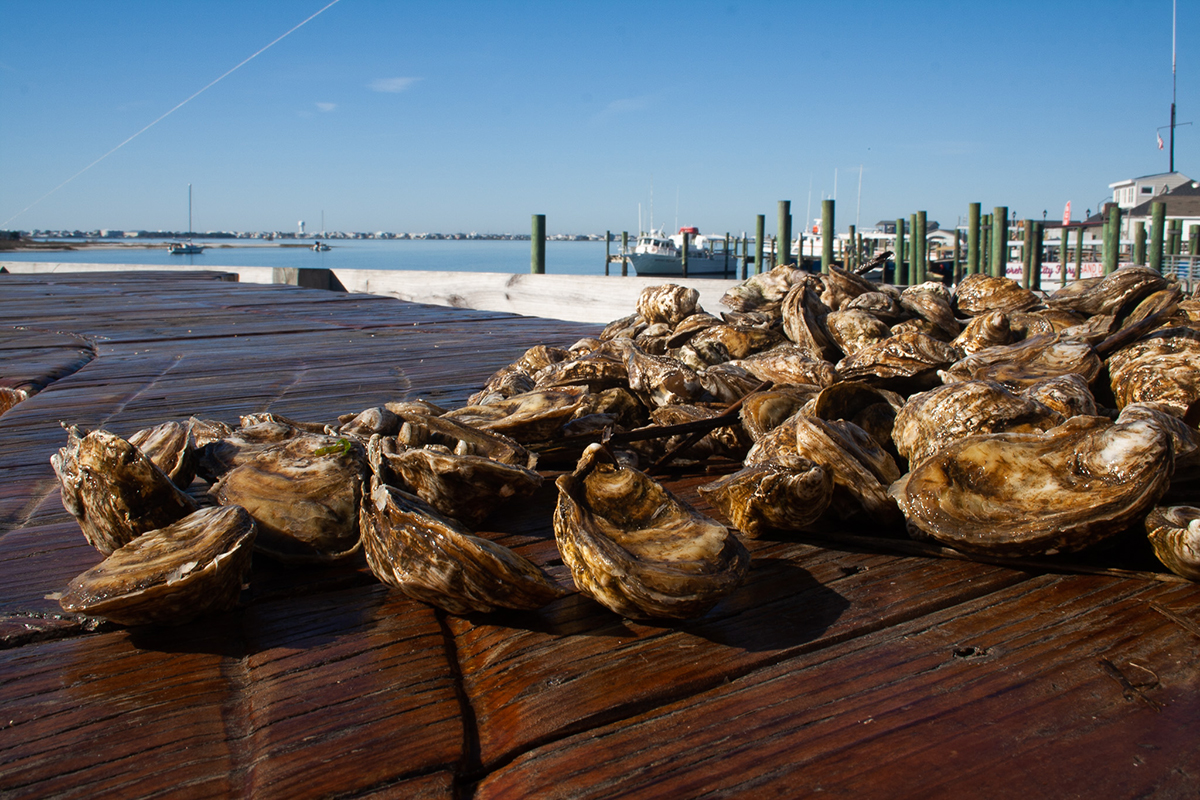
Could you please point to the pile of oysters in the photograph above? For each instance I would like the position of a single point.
(990, 419)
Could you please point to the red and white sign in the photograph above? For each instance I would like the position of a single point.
(1067, 214)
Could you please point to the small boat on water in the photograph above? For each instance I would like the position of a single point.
(320, 247)
(188, 248)
(657, 255)
(184, 248)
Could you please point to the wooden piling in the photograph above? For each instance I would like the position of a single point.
(985, 245)
(760, 232)
(973, 238)
(1158, 217)
(920, 246)
(1027, 254)
(683, 253)
(1078, 252)
(745, 258)
(725, 271)
(785, 232)
(1036, 256)
(852, 253)
(999, 259)
(826, 235)
(1112, 244)
(900, 274)
(1139, 243)
(607, 251)
(624, 254)
(956, 264)
(537, 262)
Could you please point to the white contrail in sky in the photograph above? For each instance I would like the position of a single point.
(172, 111)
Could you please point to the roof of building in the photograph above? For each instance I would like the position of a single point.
(1182, 201)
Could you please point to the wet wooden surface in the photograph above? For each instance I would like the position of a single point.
(836, 669)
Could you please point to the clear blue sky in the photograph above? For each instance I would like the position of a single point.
(464, 116)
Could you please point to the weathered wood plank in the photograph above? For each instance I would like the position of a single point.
(1005, 696)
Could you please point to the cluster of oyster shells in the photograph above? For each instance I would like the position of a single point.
(990, 419)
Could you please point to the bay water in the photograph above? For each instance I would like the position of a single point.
(441, 255)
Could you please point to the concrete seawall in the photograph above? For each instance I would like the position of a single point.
(577, 298)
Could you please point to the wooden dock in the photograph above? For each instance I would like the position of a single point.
(835, 670)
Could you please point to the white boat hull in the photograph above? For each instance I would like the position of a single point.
(654, 265)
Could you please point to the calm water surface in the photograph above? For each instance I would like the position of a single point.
(455, 255)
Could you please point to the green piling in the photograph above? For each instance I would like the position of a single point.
(900, 274)
(760, 232)
(607, 251)
(1112, 239)
(725, 271)
(956, 264)
(1027, 254)
(1079, 252)
(852, 254)
(973, 238)
(999, 259)
(826, 236)
(1036, 263)
(745, 258)
(624, 251)
(537, 261)
(785, 232)
(920, 246)
(1064, 255)
(1139, 243)
(1158, 217)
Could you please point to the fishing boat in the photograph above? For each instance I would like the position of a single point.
(320, 247)
(658, 255)
(188, 248)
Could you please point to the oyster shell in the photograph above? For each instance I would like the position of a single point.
(804, 322)
(172, 448)
(171, 575)
(739, 341)
(530, 417)
(1163, 367)
(903, 362)
(669, 303)
(464, 487)
(763, 291)
(1068, 394)
(1025, 494)
(852, 329)
(789, 364)
(637, 549)
(878, 304)
(377, 420)
(930, 420)
(785, 494)
(979, 294)
(842, 286)
(303, 494)
(984, 331)
(1116, 293)
(114, 491)
(660, 380)
(931, 302)
(437, 561)
(861, 470)
(764, 411)
(1174, 532)
(1028, 362)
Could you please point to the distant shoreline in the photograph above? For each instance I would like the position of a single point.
(60, 245)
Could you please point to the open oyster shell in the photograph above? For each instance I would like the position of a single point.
(114, 491)
(785, 494)
(1174, 532)
(437, 561)
(171, 575)
(637, 549)
(1024, 494)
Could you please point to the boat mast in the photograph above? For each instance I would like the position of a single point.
(189, 211)
(1174, 10)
